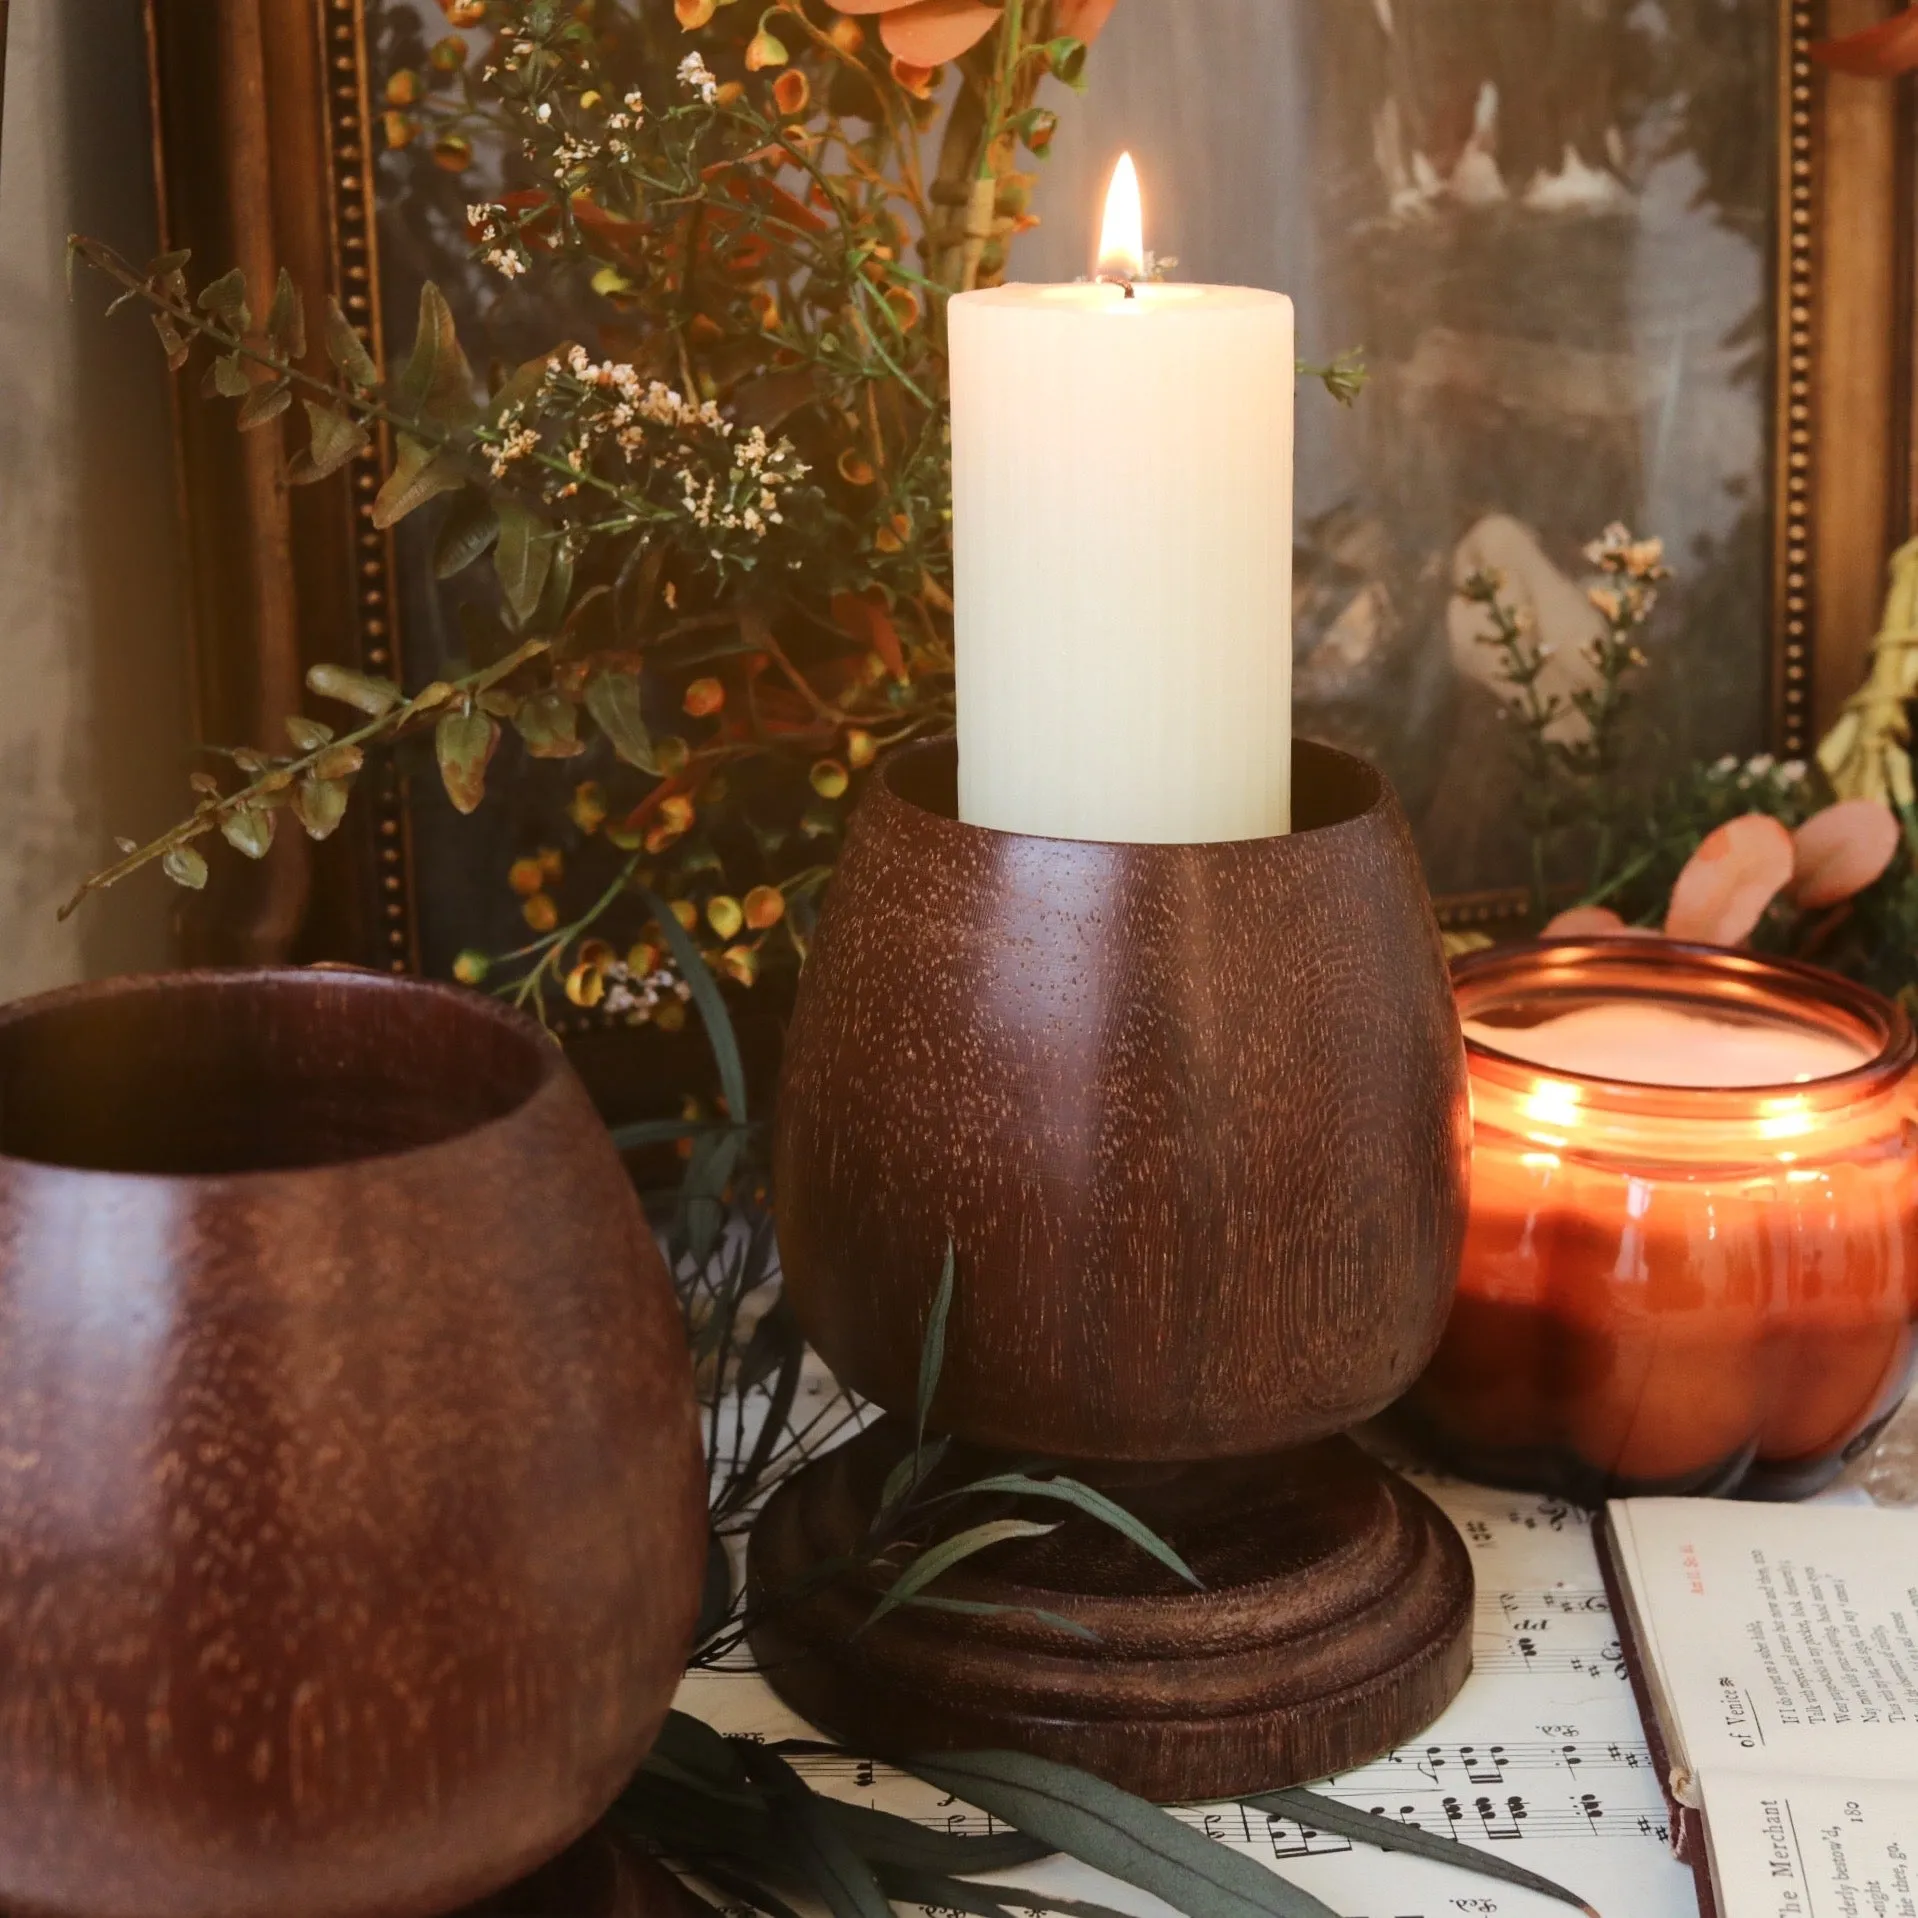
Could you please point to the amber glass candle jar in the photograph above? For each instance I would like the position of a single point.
(1692, 1257)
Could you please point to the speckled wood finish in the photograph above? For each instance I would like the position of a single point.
(1193, 1120)
(1193, 1117)
(351, 1507)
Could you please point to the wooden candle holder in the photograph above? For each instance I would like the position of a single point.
(1193, 1120)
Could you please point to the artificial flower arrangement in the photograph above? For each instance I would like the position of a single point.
(1814, 859)
(705, 559)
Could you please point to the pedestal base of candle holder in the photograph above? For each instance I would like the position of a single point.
(1335, 1623)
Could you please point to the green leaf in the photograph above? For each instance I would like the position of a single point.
(645, 1132)
(464, 744)
(265, 402)
(549, 724)
(521, 387)
(225, 299)
(309, 735)
(286, 319)
(1094, 1504)
(334, 439)
(702, 1195)
(470, 527)
(362, 691)
(882, 1838)
(1118, 1834)
(419, 473)
(347, 351)
(938, 1559)
(320, 804)
(185, 867)
(613, 699)
(1335, 1820)
(227, 378)
(172, 341)
(820, 1849)
(698, 1752)
(932, 1343)
(248, 829)
(550, 614)
(913, 1470)
(436, 383)
(523, 558)
(711, 1003)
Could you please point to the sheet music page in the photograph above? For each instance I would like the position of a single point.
(1541, 1758)
(1784, 1638)
(1812, 1847)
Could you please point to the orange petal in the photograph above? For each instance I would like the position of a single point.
(1083, 19)
(932, 32)
(1729, 881)
(1841, 850)
(1889, 48)
(1587, 922)
(873, 6)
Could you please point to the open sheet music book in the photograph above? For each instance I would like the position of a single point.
(1777, 1652)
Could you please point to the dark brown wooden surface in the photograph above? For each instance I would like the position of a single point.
(1192, 1117)
(352, 1517)
(1336, 1621)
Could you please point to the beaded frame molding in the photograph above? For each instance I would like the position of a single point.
(264, 134)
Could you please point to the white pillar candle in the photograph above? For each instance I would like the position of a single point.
(1122, 527)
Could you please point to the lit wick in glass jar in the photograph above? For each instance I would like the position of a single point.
(1691, 1262)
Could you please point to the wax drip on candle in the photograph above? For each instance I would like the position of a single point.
(1122, 233)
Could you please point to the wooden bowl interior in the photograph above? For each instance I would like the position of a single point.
(1329, 788)
(209, 1074)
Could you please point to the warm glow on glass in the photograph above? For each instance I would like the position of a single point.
(1709, 1283)
(1122, 236)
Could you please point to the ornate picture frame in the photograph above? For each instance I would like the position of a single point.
(266, 131)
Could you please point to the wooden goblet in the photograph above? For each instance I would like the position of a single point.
(1193, 1120)
(352, 1515)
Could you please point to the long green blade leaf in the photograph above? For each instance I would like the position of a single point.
(932, 1347)
(1118, 1834)
(819, 1848)
(1387, 1834)
(882, 1838)
(940, 1558)
(711, 1003)
(1094, 1504)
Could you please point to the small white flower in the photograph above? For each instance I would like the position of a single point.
(1760, 766)
(544, 113)
(696, 77)
(1792, 771)
(1729, 764)
(635, 103)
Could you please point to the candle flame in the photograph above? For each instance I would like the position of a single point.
(1122, 236)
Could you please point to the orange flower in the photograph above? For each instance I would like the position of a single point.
(791, 92)
(704, 697)
(765, 906)
(927, 33)
(694, 14)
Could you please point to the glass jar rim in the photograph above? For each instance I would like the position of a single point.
(1668, 970)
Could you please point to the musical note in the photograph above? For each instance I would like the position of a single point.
(1542, 1755)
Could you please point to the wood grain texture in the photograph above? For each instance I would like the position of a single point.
(1193, 1118)
(351, 1507)
(1336, 1621)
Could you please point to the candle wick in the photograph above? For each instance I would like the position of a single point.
(1122, 281)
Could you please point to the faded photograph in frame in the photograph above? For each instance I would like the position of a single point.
(1609, 258)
